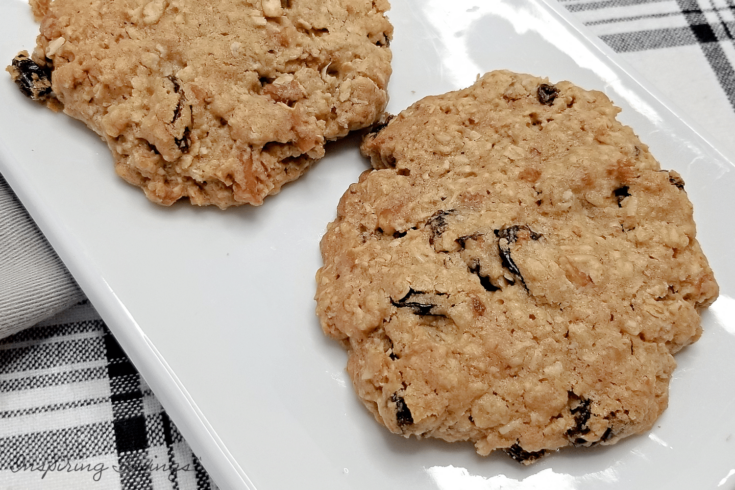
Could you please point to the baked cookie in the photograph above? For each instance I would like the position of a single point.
(219, 101)
(517, 271)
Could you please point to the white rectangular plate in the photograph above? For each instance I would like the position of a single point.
(215, 308)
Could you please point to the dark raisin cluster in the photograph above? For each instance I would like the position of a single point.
(32, 79)
(547, 93)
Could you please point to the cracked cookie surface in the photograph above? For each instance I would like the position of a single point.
(219, 101)
(517, 271)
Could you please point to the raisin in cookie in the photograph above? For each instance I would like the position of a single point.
(517, 271)
(219, 101)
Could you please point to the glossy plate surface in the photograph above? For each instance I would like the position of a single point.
(216, 310)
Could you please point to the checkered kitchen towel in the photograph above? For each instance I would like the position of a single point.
(685, 48)
(75, 414)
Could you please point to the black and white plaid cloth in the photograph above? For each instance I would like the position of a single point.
(685, 48)
(76, 414)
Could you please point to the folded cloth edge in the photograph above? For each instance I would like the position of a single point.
(34, 283)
